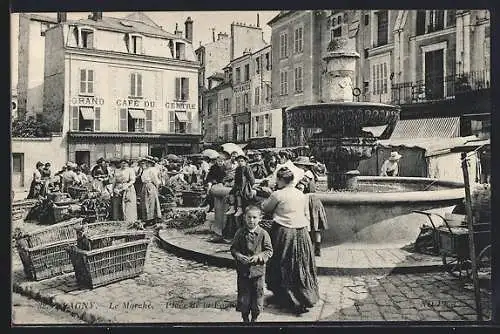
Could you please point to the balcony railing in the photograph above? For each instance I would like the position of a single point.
(439, 88)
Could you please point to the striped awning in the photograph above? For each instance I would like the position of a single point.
(137, 113)
(447, 127)
(87, 113)
(181, 116)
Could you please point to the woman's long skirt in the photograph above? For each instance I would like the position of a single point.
(150, 202)
(124, 206)
(35, 190)
(291, 273)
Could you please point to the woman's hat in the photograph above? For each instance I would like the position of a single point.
(148, 159)
(100, 160)
(303, 161)
(394, 156)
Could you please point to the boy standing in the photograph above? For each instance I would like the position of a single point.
(251, 248)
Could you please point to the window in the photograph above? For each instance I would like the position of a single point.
(85, 118)
(298, 79)
(380, 80)
(87, 82)
(283, 45)
(180, 51)
(268, 61)
(226, 132)
(257, 65)
(283, 82)
(436, 20)
(87, 39)
(451, 17)
(237, 78)
(268, 93)
(209, 108)
(255, 126)
(123, 119)
(367, 19)
(420, 22)
(182, 89)
(382, 27)
(135, 85)
(298, 40)
(43, 28)
(245, 102)
(226, 106)
(238, 104)
(336, 30)
(135, 120)
(269, 124)
(257, 96)
(247, 72)
(180, 121)
(149, 121)
(261, 126)
(136, 44)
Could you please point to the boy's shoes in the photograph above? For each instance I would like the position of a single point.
(245, 318)
(239, 212)
(254, 319)
(230, 211)
(317, 249)
(301, 310)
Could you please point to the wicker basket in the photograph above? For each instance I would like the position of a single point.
(77, 192)
(43, 252)
(61, 212)
(106, 265)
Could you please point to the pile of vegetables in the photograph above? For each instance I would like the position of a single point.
(167, 194)
(42, 212)
(182, 219)
(94, 205)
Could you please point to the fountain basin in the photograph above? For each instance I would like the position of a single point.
(363, 216)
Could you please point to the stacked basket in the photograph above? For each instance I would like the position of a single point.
(43, 252)
(104, 253)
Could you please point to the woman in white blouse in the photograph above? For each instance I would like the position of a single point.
(150, 202)
(124, 196)
(36, 183)
(292, 269)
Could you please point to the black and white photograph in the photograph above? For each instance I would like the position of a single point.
(264, 166)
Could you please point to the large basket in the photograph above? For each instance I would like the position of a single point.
(106, 265)
(77, 192)
(43, 252)
(61, 212)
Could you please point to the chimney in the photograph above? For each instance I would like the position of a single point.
(258, 21)
(96, 16)
(213, 34)
(189, 29)
(61, 17)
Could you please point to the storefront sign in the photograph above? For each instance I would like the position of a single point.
(87, 101)
(242, 88)
(135, 103)
(180, 106)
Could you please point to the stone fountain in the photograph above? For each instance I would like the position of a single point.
(375, 210)
(342, 143)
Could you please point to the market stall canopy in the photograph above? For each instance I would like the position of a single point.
(444, 127)
(432, 146)
(231, 147)
(172, 157)
(211, 154)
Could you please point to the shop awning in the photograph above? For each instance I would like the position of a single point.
(87, 113)
(137, 113)
(446, 127)
(181, 116)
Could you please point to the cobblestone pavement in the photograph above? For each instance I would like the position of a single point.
(26, 311)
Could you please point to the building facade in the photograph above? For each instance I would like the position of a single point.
(122, 87)
(31, 43)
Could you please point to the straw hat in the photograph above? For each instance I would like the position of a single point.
(303, 161)
(149, 159)
(395, 156)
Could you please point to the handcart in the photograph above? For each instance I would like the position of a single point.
(452, 243)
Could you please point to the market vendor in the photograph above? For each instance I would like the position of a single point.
(390, 166)
(215, 175)
(100, 174)
(68, 178)
(150, 201)
(36, 187)
(124, 201)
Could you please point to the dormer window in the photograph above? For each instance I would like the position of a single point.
(134, 44)
(180, 51)
(87, 39)
(336, 30)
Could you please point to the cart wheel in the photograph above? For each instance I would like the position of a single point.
(459, 268)
(484, 263)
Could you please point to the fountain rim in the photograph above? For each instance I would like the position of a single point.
(455, 192)
(343, 104)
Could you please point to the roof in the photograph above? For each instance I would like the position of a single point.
(37, 17)
(278, 17)
(446, 127)
(432, 146)
(471, 145)
(140, 24)
(217, 75)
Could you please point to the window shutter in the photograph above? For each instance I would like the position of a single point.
(75, 118)
(189, 122)
(90, 40)
(97, 119)
(90, 81)
(149, 121)
(270, 124)
(420, 22)
(123, 119)
(186, 88)
(132, 84)
(139, 45)
(171, 118)
(450, 17)
(83, 81)
(139, 84)
(177, 88)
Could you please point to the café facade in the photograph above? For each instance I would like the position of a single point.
(122, 88)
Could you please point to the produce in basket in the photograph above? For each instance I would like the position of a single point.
(176, 218)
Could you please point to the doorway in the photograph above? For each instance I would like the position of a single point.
(82, 157)
(156, 151)
(434, 74)
(17, 170)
